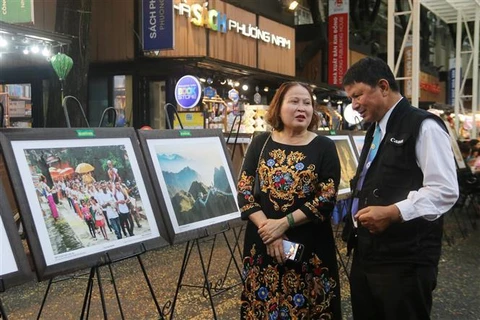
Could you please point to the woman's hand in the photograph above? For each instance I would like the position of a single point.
(272, 229)
(275, 250)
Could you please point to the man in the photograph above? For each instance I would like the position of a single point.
(112, 172)
(400, 195)
(122, 198)
(107, 201)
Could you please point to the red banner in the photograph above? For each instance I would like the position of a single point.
(337, 41)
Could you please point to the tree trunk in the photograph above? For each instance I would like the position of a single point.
(73, 18)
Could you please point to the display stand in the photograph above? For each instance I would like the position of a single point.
(239, 117)
(3, 313)
(208, 290)
(95, 271)
(105, 112)
(167, 116)
(65, 111)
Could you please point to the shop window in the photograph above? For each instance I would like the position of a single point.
(16, 100)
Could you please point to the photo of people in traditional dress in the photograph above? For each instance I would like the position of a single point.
(88, 196)
(198, 181)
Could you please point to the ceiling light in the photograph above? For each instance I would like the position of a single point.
(265, 89)
(293, 5)
(3, 42)
(35, 49)
(245, 87)
(25, 51)
(236, 84)
(46, 52)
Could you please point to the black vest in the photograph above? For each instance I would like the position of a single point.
(391, 176)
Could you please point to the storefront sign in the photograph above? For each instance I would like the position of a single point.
(158, 24)
(16, 11)
(188, 92)
(201, 16)
(337, 40)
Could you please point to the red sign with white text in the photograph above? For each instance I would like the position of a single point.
(337, 40)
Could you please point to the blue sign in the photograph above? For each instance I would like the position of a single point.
(210, 92)
(158, 24)
(233, 95)
(188, 92)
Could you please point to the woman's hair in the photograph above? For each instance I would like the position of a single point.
(273, 115)
(42, 178)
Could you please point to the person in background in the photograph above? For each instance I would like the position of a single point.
(47, 192)
(400, 196)
(298, 175)
(112, 172)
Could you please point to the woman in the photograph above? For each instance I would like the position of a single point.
(47, 192)
(298, 173)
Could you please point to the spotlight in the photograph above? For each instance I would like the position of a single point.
(265, 89)
(202, 80)
(35, 49)
(245, 87)
(3, 42)
(293, 5)
(46, 52)
(236, 83)
(25, 51)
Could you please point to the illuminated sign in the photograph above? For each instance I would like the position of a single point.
(188, 91)
(201, 16)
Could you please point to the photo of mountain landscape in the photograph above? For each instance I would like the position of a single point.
(196, 181)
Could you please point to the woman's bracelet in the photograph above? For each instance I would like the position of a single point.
(290, 220)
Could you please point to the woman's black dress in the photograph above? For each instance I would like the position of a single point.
(291, 177)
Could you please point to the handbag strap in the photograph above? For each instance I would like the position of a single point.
(261, 152)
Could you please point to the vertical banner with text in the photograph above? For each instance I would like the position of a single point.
(338, 47)
(451, 82)
(157, 25)
(408, 67)
(16, 11)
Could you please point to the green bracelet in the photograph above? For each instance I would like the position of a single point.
(291, 221)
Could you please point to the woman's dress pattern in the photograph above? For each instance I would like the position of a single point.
(291, 177)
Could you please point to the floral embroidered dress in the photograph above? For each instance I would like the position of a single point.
(291, 177)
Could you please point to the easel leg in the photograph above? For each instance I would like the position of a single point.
(186, 257)
(160, 312)
(205, 274)
(116, 291)
(44, 298)
(3, 313)
(88, 295)
(100, 290)
(232, 255)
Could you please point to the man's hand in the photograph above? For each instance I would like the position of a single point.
(275, 250)
(376, 219)
(272, 229)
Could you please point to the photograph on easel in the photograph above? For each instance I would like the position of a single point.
(348, 162)
(194, 178)
(81, 198)
(14, 267)
(358, 138)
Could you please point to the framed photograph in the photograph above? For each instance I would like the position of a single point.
(348, 161)
(14, 267)
(84, 196)
(197, 192)
(358, 139)
(456, 149)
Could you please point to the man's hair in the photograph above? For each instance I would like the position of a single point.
(370, 70)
